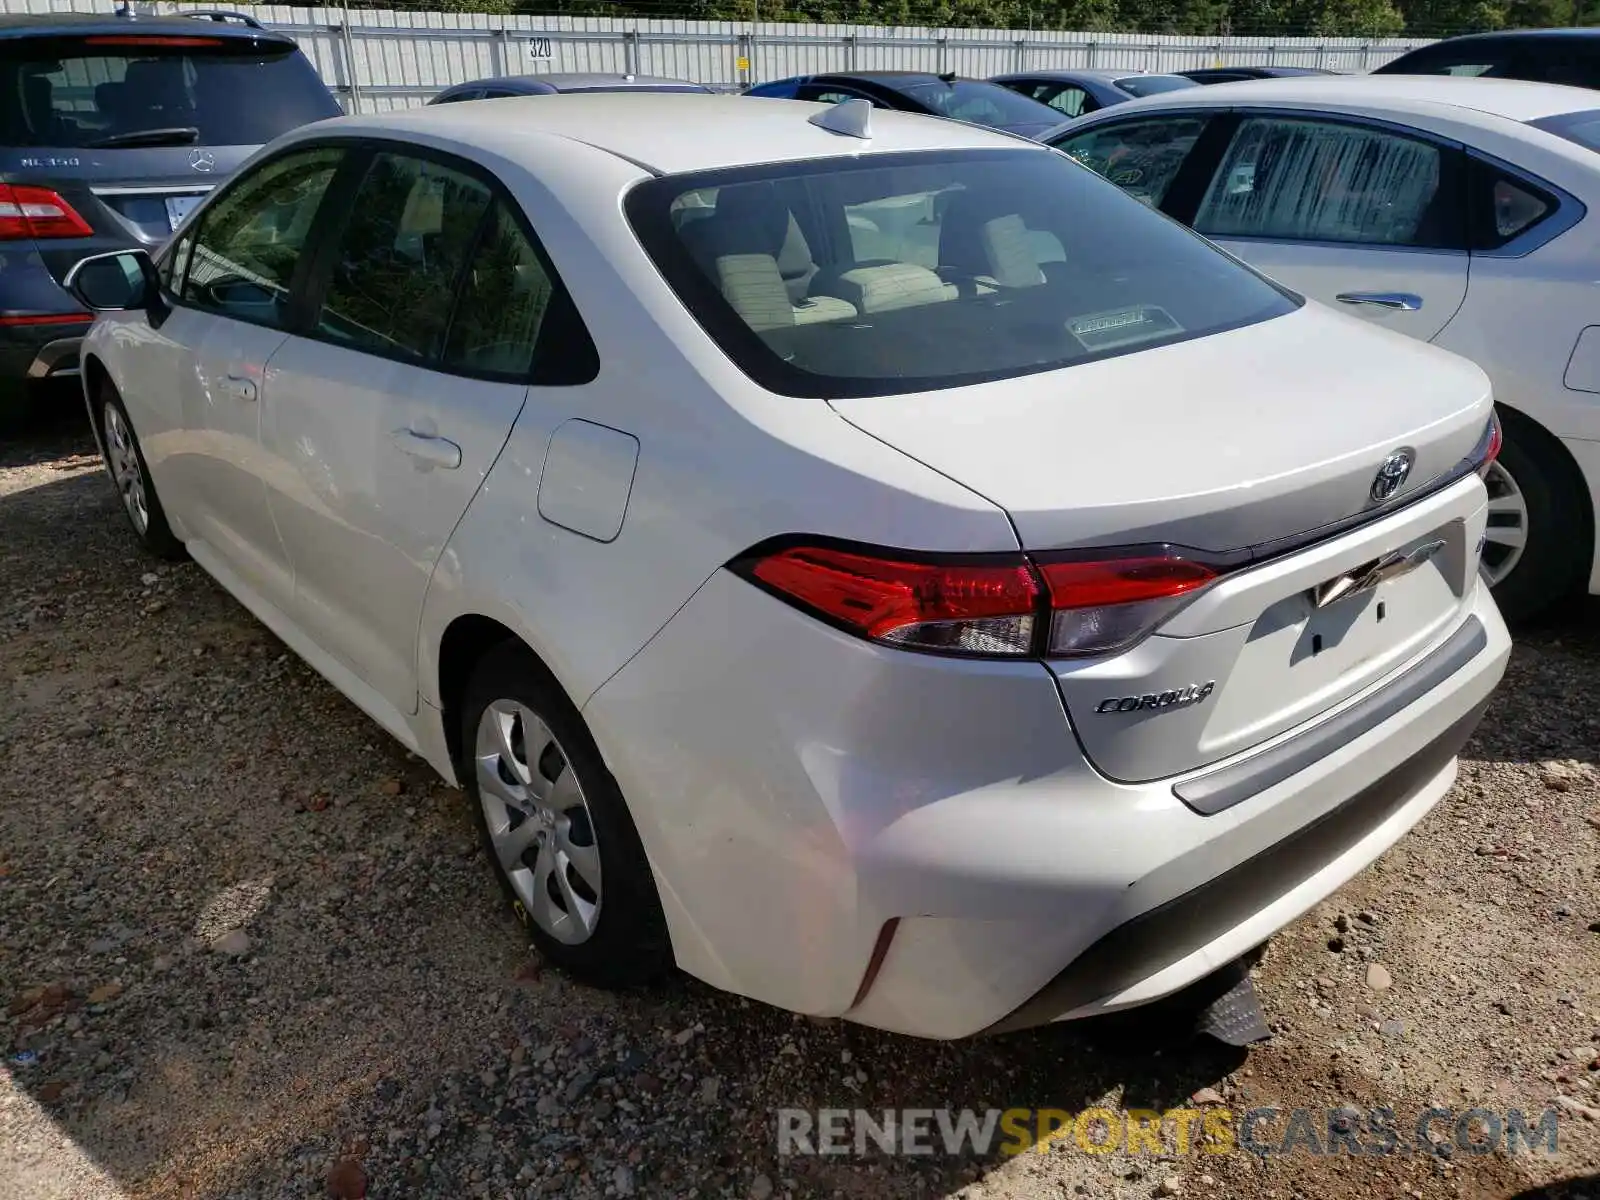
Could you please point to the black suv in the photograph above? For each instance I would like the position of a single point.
(112, 128)
(1570, 56)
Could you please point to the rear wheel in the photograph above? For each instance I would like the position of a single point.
(1540, 540)
(556, 826)
(131, 475)
(17, 406)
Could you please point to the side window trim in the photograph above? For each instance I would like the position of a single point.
(1569, 210)
(1452, 174)
(1204, 159)
(295, 313)
(325, 235)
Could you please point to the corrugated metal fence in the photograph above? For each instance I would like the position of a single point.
(375, 59)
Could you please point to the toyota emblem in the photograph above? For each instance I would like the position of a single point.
(202, 160)
(1392, 474)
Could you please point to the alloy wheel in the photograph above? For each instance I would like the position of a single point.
(1506, 536)
(538, 820)
(123, 459)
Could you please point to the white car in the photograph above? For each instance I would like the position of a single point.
(1450, 209)
(867, 561)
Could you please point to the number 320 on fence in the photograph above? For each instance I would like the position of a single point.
(539, 49)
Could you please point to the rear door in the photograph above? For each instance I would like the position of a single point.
(1365, 218)
(382, 419)
(131, 129)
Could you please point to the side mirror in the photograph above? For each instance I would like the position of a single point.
(121, 281)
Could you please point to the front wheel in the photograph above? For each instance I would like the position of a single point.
(131, 474)
(556, 827)
(1539, 542)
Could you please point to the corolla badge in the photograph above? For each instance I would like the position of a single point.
(202, 160)
(1392, 474)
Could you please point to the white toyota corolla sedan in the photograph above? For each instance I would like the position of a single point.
(1450, 209)
(867, 561)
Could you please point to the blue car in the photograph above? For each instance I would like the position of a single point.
(976, 101)
(549, 85)
(114, 128)
(1073, 93)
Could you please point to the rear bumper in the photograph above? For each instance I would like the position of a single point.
(36, 352)
(919, 845)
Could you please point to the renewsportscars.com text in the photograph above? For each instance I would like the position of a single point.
(1264, 1131)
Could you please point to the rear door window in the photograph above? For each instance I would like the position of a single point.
(395, 266)
(1287, 179)
(142, 90)
(1068, 99)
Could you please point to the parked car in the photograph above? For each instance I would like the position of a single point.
(1569, 56)
(871, 563)
(976, 101)
(1073, 93)
(114, 128)
(1237, 74)
(1451, 210)
(550, 85)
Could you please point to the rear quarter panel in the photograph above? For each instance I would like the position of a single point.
(722, 465)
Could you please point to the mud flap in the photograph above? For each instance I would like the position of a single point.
(1235, 1017)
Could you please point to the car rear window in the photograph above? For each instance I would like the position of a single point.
(910, 272)
(142, 91)
(1150, 85)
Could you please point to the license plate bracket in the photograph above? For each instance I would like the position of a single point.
(179, 207)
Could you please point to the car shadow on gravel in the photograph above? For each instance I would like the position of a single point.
(1586, 1187)
(1548, 707)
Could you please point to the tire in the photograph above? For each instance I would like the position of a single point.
(582, 886)
(18, 407)
(1536, 475)
(130, 475)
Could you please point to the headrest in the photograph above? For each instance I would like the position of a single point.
(156, 84)
(753, 215)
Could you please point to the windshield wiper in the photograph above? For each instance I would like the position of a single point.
(176, 135)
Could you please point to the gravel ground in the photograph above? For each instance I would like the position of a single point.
(248, 948)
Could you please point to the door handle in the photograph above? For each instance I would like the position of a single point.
(240, 387)
(428, 449)
(1398, 301)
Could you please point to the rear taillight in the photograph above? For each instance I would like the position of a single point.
(1488, 447)
(36, 212)
(953, 607)
(1007, 606)
(1101, 605)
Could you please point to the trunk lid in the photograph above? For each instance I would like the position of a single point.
(1224, 444)
(1217, 443)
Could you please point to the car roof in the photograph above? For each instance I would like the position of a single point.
(1514, 99)
(1103, 73)
(1501, 35)
(674, 132)
(890, 78)
(567, 80)
(16, 26)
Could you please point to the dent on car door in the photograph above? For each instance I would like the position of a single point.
(1367, 219)
(387, 412)
(235, 274)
